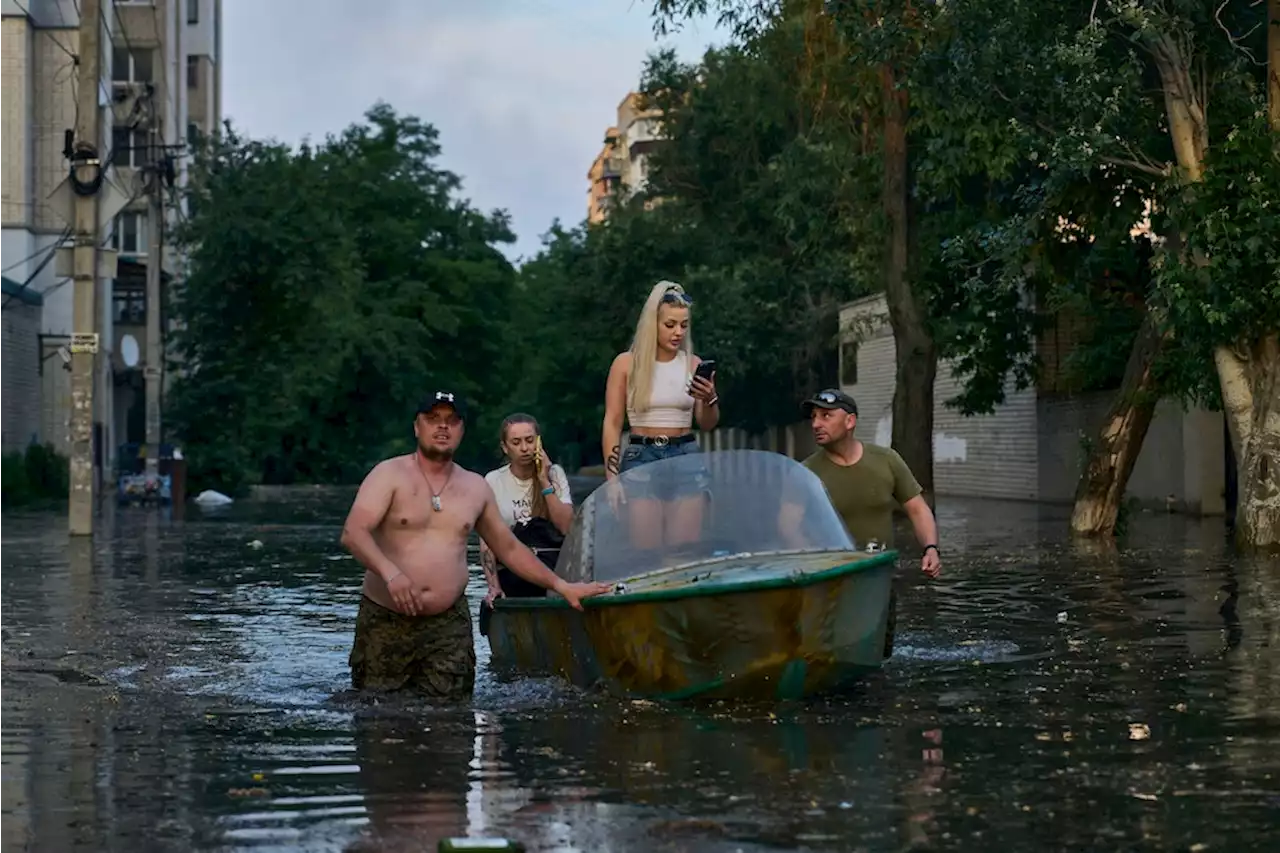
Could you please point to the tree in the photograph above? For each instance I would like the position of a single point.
(877, 42)
(1107, 90)
(330, 288)
(1224, 293)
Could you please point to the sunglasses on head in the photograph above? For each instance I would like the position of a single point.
(827, 397)
(675, 296)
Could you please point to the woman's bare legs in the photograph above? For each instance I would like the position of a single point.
(684, 520)
(645, 518)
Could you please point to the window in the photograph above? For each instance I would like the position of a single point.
(129, 306)
(130, 66)
(193, 135)
(848, 363)
(129, 148)
(193, 71)
(193, 11)
(130, 234)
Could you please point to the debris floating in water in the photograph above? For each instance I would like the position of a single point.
(211, 498)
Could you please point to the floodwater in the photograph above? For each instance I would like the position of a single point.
(173, 687)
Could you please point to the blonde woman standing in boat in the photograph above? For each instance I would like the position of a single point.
(654, 385)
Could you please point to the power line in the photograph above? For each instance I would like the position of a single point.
(50, 253)
(24, 10)
(65, 234)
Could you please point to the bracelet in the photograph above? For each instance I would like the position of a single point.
(934, 547)
(549, 491)
(713, 401)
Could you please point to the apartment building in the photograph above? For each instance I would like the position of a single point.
(160, 87)
(622, 166)
(605, 177)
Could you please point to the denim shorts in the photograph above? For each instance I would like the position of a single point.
(691, 482)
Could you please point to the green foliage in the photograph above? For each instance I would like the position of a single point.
(1225, 289)
(331, 287)
(35, 476)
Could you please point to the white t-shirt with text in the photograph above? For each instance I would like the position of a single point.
(515, 497)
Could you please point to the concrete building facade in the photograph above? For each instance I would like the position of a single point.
(160, 87)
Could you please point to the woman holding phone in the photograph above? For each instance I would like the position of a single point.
(533, 497)
(662, 389)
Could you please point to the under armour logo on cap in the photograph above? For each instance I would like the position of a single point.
(448, 397)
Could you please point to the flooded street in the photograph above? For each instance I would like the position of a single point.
(174, 687)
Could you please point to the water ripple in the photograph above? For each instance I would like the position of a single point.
(171, 687)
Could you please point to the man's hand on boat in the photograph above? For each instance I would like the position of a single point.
(575, 592)
(515, 555)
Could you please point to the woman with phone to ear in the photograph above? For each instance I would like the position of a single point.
(659, 388)
(532, 493)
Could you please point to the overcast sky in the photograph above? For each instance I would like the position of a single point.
(520, 90)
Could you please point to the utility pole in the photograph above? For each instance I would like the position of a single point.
(87, 170)
(155, 348)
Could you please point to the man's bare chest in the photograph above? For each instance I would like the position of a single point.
(414, 509)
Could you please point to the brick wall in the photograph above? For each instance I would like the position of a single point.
(20, 380)
(1031, 446)
(15, 116)
(984, 456)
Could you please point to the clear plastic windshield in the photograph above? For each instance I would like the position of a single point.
(699, 506)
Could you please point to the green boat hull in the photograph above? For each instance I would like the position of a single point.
(756, 627)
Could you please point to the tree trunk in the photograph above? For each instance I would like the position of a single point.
(1251, 386)
(916, 356)
(1251, 401)
(1106, 472)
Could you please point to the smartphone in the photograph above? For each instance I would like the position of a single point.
(705, 368)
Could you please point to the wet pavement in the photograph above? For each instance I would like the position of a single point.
(173, 687)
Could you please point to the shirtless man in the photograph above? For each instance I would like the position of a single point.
(409, 527)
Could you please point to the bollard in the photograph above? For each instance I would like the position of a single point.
(480, 845)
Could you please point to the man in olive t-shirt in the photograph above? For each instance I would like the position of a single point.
(865, 481)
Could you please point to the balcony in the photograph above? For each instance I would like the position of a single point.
(643, 130)
(613, 167)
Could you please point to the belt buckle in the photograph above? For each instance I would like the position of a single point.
(661, 441)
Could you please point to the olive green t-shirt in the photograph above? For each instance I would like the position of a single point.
(864, 493)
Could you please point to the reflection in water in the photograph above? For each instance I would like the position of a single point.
(172, 686)
(414, 778)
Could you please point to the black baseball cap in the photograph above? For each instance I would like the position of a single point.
(830, 398)
(447, 398)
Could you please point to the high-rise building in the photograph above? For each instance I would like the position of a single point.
(622, 166)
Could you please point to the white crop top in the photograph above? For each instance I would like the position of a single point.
(670, 404)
